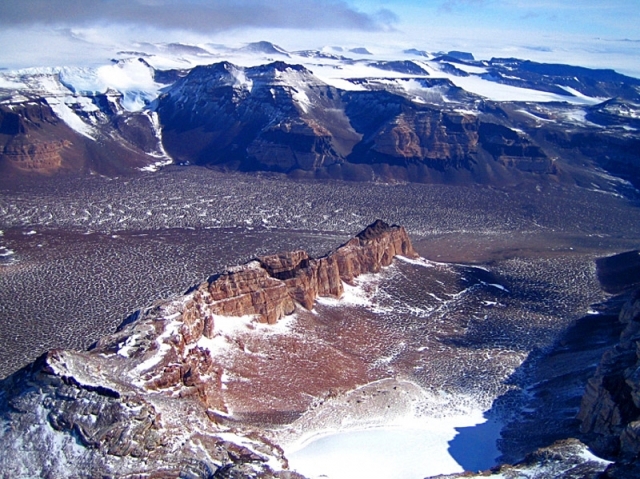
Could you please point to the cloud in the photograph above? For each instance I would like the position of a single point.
(204, 16)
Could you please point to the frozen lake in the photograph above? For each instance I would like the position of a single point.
(433, 446)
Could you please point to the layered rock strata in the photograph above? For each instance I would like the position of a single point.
(270, 286)
(149, 400)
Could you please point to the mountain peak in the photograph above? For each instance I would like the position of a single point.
(265, 47)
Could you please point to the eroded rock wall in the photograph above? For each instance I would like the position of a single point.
(271, 285)
(610, 409)
(150, 398)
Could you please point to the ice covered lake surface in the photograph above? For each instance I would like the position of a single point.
(428, 448)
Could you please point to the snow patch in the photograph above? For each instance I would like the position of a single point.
(360, 294)
(301, 98)
(587, 455)
(417, 261)
(470, 68)
(128, 346)
(497, 286)
(419, 439)
(163, 347)
(8, 84)
(66, 114)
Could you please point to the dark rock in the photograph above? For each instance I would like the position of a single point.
(619, 272)
(610, 408)
(465, 56)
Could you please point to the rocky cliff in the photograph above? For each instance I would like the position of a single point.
(270, 286)
(399, 122)
(150, 399)
(35, 139)
(280, 117)
(276, 117)
(610, 409)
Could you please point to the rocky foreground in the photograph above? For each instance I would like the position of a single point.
(158, 398)
(148, 401)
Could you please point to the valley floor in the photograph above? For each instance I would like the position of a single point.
(507, 272)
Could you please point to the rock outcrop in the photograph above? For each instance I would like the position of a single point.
(26, 140)
(35, 139)
(150, 398)
(280, 117)
(610, 409)
(276, 117)
(438, 139)
(270, 286)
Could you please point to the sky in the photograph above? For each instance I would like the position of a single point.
(582, 32)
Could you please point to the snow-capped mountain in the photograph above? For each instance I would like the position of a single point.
(238, 375)
(343, 113)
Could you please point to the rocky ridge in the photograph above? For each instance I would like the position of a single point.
(280, 117)
(610, 408)
(404, 120)
(149, 399)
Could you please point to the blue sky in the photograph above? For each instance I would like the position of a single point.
(588, 32)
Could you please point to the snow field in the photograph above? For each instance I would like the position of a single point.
(410, 445)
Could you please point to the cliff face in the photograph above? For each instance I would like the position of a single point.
(33, 139)
(610, 409)
(27, 142)
(270, 286)
(435, 138)
(280, 117)
(274, 117)
(150, 398)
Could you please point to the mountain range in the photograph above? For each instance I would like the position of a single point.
(421, 117)
(245, 372)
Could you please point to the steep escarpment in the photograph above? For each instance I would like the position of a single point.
(280, 117)
(610, 409)
(271, 117)
(32, 138)
(270, 286)
(151, 398)
(45, 136)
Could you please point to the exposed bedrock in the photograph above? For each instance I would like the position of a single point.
(270, 286)
(610, 409)
(436, 138)
(150, 398)
(280, 117)
(35, 139)
(26, 143)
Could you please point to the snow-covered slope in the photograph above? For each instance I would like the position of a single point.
(258, 106)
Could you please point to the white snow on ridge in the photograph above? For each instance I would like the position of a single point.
(66, 114)
(11, 84)
(501, 92)
(588, 99)
(302, 100)
(470, 68)
(361, 294)
(132, 78)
